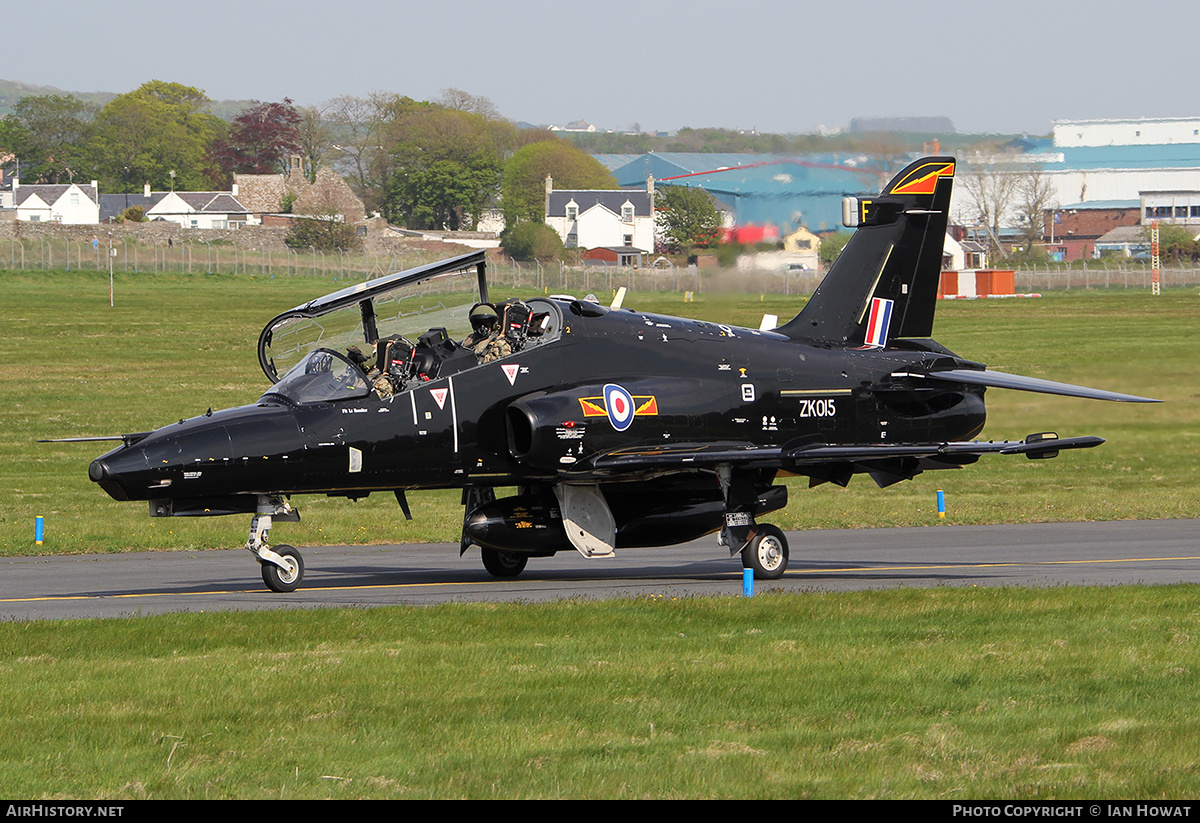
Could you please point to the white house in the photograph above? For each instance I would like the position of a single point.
(70, 204)
(962, 254)
(200, 210)
(602, 218)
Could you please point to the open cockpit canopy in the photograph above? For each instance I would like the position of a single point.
(402, 304)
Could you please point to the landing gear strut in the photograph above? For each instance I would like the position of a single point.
(762, 546)
(282, 569)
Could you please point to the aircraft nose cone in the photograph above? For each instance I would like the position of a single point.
(120, 472)
(98, 471)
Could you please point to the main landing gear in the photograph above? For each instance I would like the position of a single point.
(501, 563)
(283, 567)
(766, 553)
(762, 546)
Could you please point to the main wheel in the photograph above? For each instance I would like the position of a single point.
(501, 563)
(767, 553)
(284, 580)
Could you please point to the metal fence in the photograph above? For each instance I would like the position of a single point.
(1103, 276)
(217, 257)
(195, 257)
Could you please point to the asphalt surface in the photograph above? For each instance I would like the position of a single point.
(1049, 554)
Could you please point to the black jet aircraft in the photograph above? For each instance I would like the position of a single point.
(617, 428)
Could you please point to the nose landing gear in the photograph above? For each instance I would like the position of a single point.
(282, 568)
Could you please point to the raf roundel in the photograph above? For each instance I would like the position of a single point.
(619, 404)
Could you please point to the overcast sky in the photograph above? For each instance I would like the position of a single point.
(776, 66)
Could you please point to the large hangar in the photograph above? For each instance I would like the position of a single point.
(762, 189)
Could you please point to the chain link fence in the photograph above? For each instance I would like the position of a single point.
(216, 257)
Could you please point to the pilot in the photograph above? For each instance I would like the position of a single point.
(483, 324)
(354, 355)
(487, 338)
(509, 335)
(391, 365)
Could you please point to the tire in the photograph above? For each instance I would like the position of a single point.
(767, 554)
(500, 563)
(284, 580)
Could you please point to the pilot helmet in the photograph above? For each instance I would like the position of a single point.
(484, 318)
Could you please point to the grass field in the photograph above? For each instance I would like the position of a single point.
(175, 345)
(920, 693)
(943, 693)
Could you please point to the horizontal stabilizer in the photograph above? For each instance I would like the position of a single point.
(1000, 380)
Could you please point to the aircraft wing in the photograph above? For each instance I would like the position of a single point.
(677, 456)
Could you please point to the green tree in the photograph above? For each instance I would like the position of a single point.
(446, 166)
(531, 241)
(1175, 244)
(50, 136)
(687, 217)
(832, 245)
(158, 128)
(324, 233)
(525, 177)
(360, 137)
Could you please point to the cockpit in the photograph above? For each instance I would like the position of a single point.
(391, 334)
(324, 376)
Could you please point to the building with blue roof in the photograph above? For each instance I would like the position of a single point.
(761, 189)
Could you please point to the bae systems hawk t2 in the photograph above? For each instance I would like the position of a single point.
(616, 428)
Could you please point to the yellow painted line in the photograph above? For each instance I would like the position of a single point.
(849, 569)
(559, 581)
(264, 590)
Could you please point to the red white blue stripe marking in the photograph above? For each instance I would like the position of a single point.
(878, 323)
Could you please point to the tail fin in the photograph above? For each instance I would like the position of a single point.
(895, 254)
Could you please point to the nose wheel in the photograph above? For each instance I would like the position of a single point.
(285, 577)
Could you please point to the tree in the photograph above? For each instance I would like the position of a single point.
(1175, 244)
(446, 165)
(832, 245)
(991, 188)
(316, 140)
(687, 217)
(324, 233)
(526, 171)
(531, 241)
(260, 140)
(50, 134)
(1035, 195)
(158, 128)
(361, 136)
(471, 103)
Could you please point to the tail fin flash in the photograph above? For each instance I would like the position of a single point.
(895, 255)
(878, 323)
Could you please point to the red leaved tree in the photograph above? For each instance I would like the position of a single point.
(260, 140)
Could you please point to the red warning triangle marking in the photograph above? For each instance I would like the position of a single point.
(510, 371)
(439, 397)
